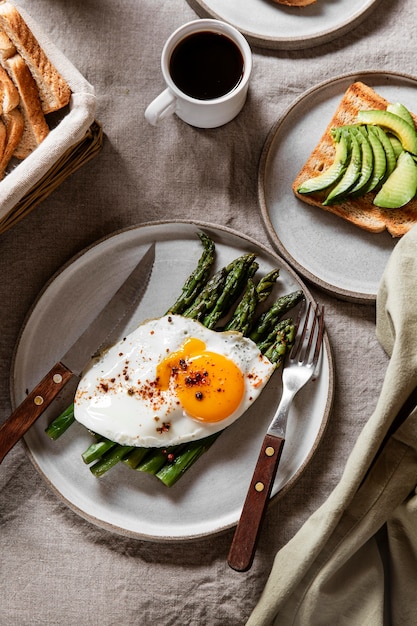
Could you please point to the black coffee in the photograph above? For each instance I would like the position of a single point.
(206, 65)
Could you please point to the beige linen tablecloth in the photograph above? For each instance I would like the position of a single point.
(55, 567)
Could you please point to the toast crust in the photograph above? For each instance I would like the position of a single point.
(35, 126)
(14, 123)
(53, 89)
(295, 3)
(9, 94)
(359, 211)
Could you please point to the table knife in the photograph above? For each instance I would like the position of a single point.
(104, 330)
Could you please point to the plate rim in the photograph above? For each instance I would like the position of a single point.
(338, 291)
(201, 7)
(107, 525)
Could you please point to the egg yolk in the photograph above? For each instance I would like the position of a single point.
(208, 385)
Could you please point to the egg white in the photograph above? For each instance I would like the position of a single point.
(105, 404)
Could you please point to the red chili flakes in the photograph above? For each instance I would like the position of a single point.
(164, 428)
(196, 378)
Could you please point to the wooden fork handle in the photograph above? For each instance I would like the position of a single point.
(247, 532)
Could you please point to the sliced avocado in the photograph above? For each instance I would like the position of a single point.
(333, 173)
(395, 124)
(387, 145)
(396, 145)
(401, 186)
(352, 172)
(380, 162)
(399, 109)
(367, 161)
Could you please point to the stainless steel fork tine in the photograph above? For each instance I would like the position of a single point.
(304, 351)
(319, 339)
(300, 350)
(300, 330)
(311, 334)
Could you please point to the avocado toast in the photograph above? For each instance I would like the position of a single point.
(357, 174)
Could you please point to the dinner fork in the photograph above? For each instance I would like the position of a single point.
(303, 362)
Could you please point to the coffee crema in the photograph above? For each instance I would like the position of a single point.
(206, 65)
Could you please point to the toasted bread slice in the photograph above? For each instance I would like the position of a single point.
(53, 89)
(35, 126)
(3, 137)
(7, 49)
(14, 130)
(295, 3)
(359, 211)
(9, 94)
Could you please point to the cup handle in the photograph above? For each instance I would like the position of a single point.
(161, 107)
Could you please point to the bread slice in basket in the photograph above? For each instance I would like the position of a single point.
(54, 91)
(359, 211)
(35, 125)
(30, 88)
(14, 124)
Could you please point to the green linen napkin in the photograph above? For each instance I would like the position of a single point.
(354, 561)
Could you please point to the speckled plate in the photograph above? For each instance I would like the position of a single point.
(209, 498)
(325, 249)
(275, 26)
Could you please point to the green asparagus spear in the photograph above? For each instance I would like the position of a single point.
(244, 313)
(157, 459)
(198, 278)
(268, 320)
(266, 285)
(97, 449)
(284, 340)
(172, 471)
(136, 456)
(238, 273)
(110, 459)
(207, 298)
(61, 423)
(267, 341)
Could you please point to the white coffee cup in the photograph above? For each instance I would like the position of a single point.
(203, 111)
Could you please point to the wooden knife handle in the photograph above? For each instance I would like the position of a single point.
(32, 407)
(246, 536)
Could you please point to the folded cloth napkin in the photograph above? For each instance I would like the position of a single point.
(354, 561)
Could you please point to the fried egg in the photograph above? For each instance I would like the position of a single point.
(170, 381)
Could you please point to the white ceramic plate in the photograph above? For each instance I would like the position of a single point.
(208, 499)
(338, 256)
(276, 26)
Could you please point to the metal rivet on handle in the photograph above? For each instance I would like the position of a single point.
(57, 378)
(38, 400)
(269, 451)
(259, 487)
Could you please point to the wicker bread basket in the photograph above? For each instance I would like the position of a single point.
(74, 138)
(73, 158)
